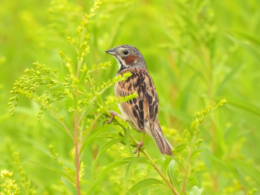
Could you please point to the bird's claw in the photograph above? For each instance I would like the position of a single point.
(138, 148)
(113, 114)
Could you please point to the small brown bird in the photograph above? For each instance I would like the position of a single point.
(141, 112)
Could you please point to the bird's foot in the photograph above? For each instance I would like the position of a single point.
(113, 114)
(138, 148)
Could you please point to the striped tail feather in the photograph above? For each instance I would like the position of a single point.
(160, 140)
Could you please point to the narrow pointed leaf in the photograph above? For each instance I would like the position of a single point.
(172, 177)
(196, 191)
(53, 169)
(69, 186)
(249, 48)
(89, 139)
(179, 148)
(56, 125)
(228, 77)
(127, 138)
(104, 148)
(131, 164)
(103, 173)
(108, 135)
(243, 104)
(142, 184)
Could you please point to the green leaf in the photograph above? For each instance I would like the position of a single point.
(205, 147)
(179, 148)
(180, 114)
(171, 74)
(198, 174)
(89, 139)
(53, 169)
(143, 183)
(103, 149)
(103, 173)
(166, 164)
(56, 125)
(228, 77)
(249, 48)
(170, 172)
(127, 138)
(69, 186)
(245, 105)
(38, 146)
(108, 135)
(247, 169)
(196, 152)
(131, 164)
(184, 98)
(196, 191)
(249, 37)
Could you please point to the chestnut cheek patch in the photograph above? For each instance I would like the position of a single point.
(130, 59)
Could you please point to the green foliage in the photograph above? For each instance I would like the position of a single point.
(200, 54)
(143, 183)
(195, 191)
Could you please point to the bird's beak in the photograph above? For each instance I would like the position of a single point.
(111, 51)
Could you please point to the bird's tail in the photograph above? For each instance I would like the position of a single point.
(161, 142)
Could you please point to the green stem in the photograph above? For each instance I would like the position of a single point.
(161, 173)
(152, 162)
(186, 174)
(63, 124)
(191, 149)
(157, 169)
(77, 151)
(88, 131)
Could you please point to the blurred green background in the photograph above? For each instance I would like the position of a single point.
(197, 52)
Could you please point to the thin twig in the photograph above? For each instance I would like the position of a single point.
(87, 132)
(158, 170)
(186, 169)
(161, 173)
(63, 124)
(77, 121)
(186, 174)
(153, 164)
(77, 151)
(81, 116)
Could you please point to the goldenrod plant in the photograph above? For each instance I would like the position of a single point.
(9, 187)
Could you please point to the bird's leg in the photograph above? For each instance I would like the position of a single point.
(113, 114)
(140, 144)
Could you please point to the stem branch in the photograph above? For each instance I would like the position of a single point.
(77, 151)
(186, 174)
(63, 124)
(161, 173)
(158, 170)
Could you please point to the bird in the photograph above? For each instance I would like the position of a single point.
(141, 112)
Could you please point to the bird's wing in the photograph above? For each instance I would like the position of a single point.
(144, 108)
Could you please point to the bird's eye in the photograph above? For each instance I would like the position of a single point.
(125, 52)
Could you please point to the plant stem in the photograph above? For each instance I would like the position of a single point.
(63, 124)
(186, 174)
(77, 151)
(158, 170)
(152, 162)
(188, 163)
(76, 120)
(161, 173)
(76, 127)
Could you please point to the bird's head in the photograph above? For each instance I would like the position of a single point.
(127, 57)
